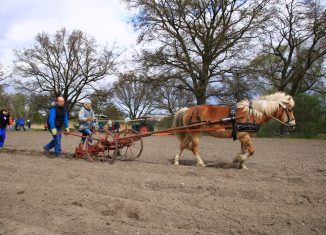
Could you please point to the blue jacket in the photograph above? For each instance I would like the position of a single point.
(52, 116)
(22, 121)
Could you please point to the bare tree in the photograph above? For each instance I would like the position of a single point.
(39, 102)
(64, 64)
(4, 99)
(235, 87)
(2, 74)
(2, 78)
(103, 103)
(18, 104)
(196, 38)
(171, 97)
(293, 57)
(133, 97)
(101, 98)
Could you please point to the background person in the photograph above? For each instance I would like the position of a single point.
(11, 123)
(22, 124)
(117, 127)
(17, 124)
(110, 125)
(58, 117)
(86, 119)
(28, 124)
(4, 121)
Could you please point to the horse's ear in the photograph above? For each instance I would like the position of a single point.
(283, 104)
(290, 101)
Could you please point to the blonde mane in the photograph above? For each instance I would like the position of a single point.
(267, 105)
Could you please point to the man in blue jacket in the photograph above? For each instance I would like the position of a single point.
(22, 124)
(58, 117)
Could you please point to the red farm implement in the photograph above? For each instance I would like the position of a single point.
(106, 146)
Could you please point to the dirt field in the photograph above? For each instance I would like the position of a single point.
(283, 192)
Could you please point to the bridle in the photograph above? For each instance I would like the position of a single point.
(286, 110)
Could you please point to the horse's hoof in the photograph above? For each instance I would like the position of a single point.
(201, 164)
(240, 158)
(176, 163)
(243, 166)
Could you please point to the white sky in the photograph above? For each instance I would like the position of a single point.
(22, 20)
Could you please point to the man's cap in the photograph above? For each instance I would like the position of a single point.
(87, 101)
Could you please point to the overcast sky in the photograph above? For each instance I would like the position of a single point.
(22, 20)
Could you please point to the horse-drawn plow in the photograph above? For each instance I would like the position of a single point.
(127, 145)
(240, 123)
(107, 146)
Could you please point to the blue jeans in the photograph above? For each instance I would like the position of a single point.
(2, 136)
(85, 132)
(55, 143)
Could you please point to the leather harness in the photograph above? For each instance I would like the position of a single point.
(236, 127)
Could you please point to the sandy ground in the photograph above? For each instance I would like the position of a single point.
(283, 192)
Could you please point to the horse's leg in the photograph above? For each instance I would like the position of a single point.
(243, 148)
(195, 149)
(184, 143)
(241, 155)
(247, 150)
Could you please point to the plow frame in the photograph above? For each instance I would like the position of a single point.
(127, 145)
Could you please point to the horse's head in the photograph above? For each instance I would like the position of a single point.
(286, 113)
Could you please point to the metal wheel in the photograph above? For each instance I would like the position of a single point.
(101, 146)
(130, 145)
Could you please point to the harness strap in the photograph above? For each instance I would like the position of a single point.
(251, 112)
(276, 119)
(233, 113)
(234, 130)
(194, 113)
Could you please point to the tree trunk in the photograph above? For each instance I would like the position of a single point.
(201, 97)
(201, 86)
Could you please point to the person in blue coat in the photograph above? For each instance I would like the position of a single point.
(58, 118)
(22, 124)
(17, 124)
(4, 121)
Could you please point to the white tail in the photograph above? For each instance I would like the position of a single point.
(178, 121)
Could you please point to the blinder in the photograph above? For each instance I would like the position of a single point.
(289, 120)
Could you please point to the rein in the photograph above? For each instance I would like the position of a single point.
(276, 119)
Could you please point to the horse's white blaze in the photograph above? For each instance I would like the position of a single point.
(292, 123)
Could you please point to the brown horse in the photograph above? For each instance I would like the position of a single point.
(241, 123)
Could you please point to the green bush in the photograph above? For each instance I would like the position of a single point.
(310, 115)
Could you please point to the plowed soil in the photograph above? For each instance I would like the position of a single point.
(283, 192)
